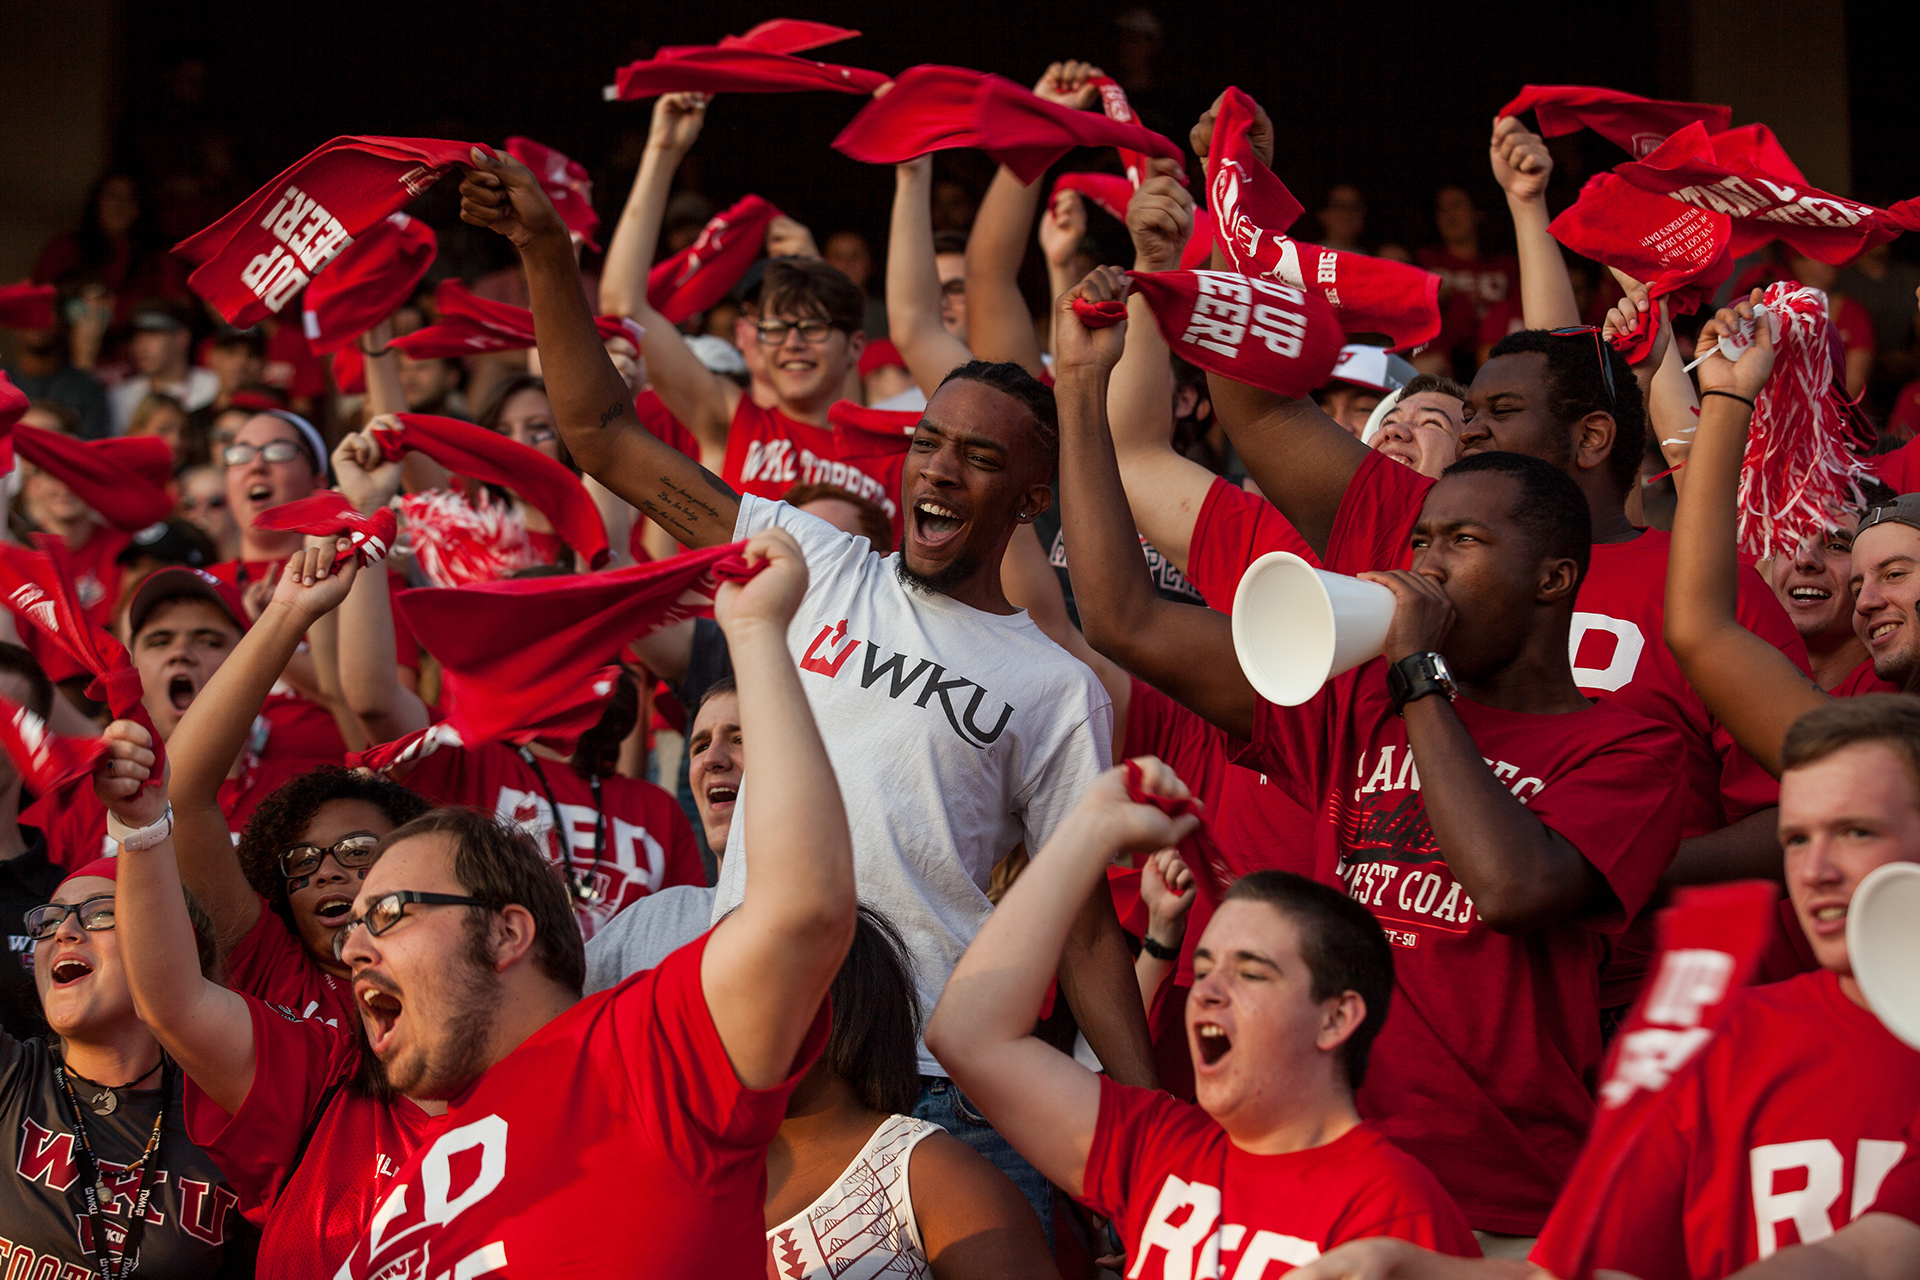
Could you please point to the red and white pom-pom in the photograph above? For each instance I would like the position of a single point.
(1803, 465)
(457, 542)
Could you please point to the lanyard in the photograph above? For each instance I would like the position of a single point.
(580, 885)
(93, 1188)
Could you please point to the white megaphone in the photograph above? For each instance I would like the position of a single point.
(1883, 942)
(1296, 627)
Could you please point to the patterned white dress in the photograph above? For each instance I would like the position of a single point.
(863, 1225)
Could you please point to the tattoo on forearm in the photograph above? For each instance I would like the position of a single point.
(611, 412)
(679, 511)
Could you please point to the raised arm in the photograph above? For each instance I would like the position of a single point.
(1183, 649)
(999, 326)
(913, 282)
(1045, 1103)
(369, 668)
(1522, 165)
(1750, 686)
(591, 401)
(209, 737)
(768, 964)
(1164, 489)
(203, 1025)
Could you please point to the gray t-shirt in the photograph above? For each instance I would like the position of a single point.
(955, 735)
(646, 933)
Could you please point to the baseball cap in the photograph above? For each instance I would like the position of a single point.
(717, 354)
(182, 583)
(880, 354)
(1374, 368)
(1904, 509)
(156, 319)
(170, 541)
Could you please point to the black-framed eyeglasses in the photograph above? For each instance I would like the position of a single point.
(305, 859)
(389, 909)
(95, 916)
(1599, 351)
(774, 332)
(239, 455)
(212, 502)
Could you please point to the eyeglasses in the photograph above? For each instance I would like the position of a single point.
(389, 909)
(239, 455)
(95, 915)
(212, 502)
(305, 859)
(774, 332)
(1599, 351)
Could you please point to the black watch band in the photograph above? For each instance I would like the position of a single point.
(1417, 675)
(1157, 950)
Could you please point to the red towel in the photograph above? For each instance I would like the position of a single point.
(1112, 194)
(1253, 331)
(26, 306)
(370, 280)
(254, 260)
(1637, 125)
(566, 183)
(933, 108)
(1745, 174)
(510, 652)
(492, 458)
(44, 758)
(788, 35)
(469, 326)
(125, 479)
(1252, 210)
(328, 512)
(13, 404)
(701, 274)
(734, 69)
(1205, 847)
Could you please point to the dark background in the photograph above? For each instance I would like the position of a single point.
(1394, 97)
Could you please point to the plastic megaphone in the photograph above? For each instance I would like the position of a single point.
(1296, 627)
(1883, 942)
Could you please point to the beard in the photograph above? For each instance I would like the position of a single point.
(939, 583)
(457, 1055)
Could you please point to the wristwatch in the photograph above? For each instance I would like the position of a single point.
(1417, 675)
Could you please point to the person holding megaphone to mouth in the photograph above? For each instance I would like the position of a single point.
(1501, 826)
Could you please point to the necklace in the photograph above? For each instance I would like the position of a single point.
(107, 1101)
(96, 1196)
(579, 884)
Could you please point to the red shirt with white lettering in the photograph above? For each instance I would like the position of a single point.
(271, 964)
(645, 841)
(75, 822)
(1485, 1069)
(312, 1213)
(616, 1140)
(1779, 1133)
(768, 453)
(1900, 1193)
(1188, 1202)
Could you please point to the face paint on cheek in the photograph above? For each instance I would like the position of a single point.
(295, 886)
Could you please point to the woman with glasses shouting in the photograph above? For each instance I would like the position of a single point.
(93, 1119)
(280, 1090)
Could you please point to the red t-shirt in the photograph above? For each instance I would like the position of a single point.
(1779, 1133)
(1188, 1202)
(75, 822)
(646, 841)
(1900, 470)
(1900, 1193)
(271, 964)
(657, 418)
(1474, 285)
(310, 1215)
(616, 1140)
(1485, 1068)
(1904, 422)
(1616, 642)
(1862, 680)
(96, 576)
(1235, 528)
(768, 453)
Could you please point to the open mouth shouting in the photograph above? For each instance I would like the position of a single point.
(720, 797)
(1827, 919)
(1213, 1041)
(180, 692)
(380, 1011)
(936, 525)
(333, 910)
(69, 969)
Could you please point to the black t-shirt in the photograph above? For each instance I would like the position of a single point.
(25, 883)
(1167, 578)
(193, 1229)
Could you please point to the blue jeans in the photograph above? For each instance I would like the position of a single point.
(942, 1102)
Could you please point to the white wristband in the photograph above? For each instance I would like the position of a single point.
(144, 837)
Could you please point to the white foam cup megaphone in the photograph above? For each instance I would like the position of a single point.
(1296, 627)
(1883, 943)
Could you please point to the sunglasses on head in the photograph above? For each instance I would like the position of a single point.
(389, 909)
(304, 859)
(95, 916)
(1599, 351)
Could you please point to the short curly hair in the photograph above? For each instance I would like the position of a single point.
(282, 819)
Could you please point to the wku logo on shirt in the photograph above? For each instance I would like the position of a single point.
(832, 647)
(47, 1158)
(1185, 1236)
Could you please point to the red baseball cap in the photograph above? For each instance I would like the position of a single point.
(880, 354)
(181, 583)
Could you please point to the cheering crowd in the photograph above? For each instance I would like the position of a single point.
(390, 651)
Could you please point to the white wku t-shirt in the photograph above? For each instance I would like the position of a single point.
(955, 734)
